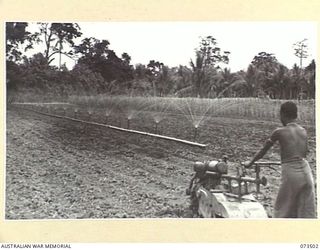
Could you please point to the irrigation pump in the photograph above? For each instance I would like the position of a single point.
(216, 194)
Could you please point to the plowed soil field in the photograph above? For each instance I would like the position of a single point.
(59, 169)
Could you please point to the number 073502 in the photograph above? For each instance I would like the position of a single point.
(309, 246)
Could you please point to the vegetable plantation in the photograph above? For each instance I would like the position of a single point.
(127, 111)
(58, 168)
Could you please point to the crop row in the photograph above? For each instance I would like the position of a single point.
(193, 110)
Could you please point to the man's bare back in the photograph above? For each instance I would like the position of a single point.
(293, 142)
(296, 196)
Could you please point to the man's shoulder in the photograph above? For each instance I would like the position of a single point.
(284, 130)
(276, 134)
(300, 127)
(278, 130)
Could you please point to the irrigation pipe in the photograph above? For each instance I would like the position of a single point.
(119, 129)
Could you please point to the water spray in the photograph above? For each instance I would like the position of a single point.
(195, 110)
(158, 108)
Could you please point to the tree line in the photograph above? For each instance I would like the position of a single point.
(98, 69)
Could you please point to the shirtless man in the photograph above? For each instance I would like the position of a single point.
(296, 196)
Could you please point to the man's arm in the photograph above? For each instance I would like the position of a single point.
(268, 144)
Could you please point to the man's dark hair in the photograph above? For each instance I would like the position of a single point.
(289, 110)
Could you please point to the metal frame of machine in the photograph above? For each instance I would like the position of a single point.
(215, 194)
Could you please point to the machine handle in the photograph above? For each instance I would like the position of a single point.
(262, 181)
(264, 163)
(267, 163)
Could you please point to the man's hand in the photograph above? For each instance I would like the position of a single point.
(247, 164)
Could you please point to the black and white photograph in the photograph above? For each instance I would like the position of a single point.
(140, 120)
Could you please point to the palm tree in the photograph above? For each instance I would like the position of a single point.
(278, 82)
(310, 72)
(296, 82)
(198, 73)
(183, 82)
(253, 79)
(231, 83)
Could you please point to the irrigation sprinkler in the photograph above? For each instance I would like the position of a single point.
(128, 123)
(106, 117)
(131, 107)
(54, 109)
(75, 113)
(64, 114)
(142, 133)
(39, 107)
(156, 121)
(195, 110)
(157, 118)
(195, 132)
(85, 128)
(157, 126)
(158, 109)
(89, 114)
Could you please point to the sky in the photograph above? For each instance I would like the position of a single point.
(174, 43)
